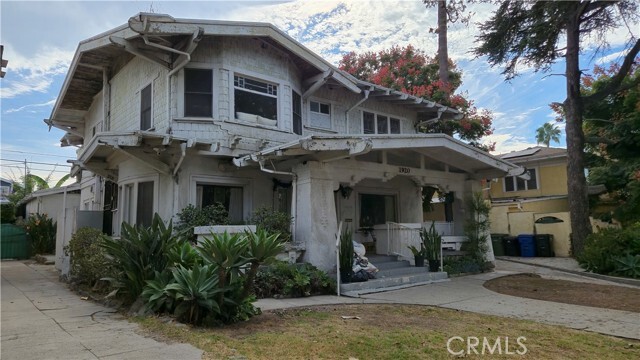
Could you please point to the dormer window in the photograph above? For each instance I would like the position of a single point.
(255, 99)
(198, 92)
(320, 115)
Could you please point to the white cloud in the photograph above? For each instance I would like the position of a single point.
(30, 106)
(35, 73)
(507, 142)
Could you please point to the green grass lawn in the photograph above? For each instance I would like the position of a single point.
(387, 332)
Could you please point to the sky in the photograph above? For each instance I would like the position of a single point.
(40, 39)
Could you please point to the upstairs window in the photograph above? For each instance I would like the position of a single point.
(145, 108)
(514, 183)
(255, 98)
(379, 124)
(296, 109)
(320, 115)
(198, 92)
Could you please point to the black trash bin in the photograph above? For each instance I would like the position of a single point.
(511, 246)
(544, 246)
(498, 245)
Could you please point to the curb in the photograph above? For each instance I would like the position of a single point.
(614, 279)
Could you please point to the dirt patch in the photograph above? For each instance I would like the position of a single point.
(568, 292)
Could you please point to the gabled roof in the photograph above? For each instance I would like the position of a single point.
(535, 153)
(168, 42)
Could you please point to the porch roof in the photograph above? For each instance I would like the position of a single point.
(455, 155)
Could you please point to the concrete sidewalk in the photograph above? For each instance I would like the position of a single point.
(42, 319)
(468, 293)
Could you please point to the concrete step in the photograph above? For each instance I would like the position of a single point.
(391, 283)
(391, 264)
(409, 270)
(382, 258)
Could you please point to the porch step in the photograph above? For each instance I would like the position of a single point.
(391, 283)
(401, 271)
(388, 265)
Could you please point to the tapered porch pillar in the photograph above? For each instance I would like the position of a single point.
(316, 220)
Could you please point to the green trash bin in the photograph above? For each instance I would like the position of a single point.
(498, 246)
(13, 242)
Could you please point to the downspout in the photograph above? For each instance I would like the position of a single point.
(294, 187)
(346, 113)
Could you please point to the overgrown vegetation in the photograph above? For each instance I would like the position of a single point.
(7, 213)
(272, 221)
(283, 279)
(613, 252)
(89, 261)
(476, 230)
(454, 265)
(42, 231)
(346, 255)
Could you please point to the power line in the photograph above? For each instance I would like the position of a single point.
(49, 170)
(33, 153)
(34, 162)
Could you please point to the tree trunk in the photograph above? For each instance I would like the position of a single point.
(443, 53)
(576, 180)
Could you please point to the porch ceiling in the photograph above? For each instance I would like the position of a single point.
(449, 154)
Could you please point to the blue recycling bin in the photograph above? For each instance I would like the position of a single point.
(527, 245)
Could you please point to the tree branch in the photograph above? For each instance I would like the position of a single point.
(615, 84)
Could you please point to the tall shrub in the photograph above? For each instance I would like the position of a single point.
(89, 261)
(476, 229)
(272, 221)
(42, 232)
(613, 251)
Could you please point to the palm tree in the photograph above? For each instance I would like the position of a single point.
(547, 133)
(31, 183)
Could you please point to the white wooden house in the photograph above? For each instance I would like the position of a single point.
(169, 112)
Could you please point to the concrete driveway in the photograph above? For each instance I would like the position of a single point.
(42, 319)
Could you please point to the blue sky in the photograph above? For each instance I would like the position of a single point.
(40, 39)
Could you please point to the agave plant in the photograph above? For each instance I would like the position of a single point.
(262, 249)
(228, 253)
(194, 291)
(155, 294)
(182, 253)
(137, 255)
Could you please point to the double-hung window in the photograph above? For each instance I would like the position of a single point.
(514, 183)
(373, 123)
(296, 109)
(145, 108)
(320, 115)
(256, 97)
(198, 92)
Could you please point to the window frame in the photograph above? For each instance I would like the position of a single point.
(295, 121)
(310, 113)
(515, 180)
(185, 92)
(128, 199)
(244, 183)
(376, 192)
(151, 125)
(376, 124)
(277, 97)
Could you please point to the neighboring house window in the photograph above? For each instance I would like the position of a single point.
(255, 97)
(514, 183)
(320, 115)
(198, 92)
(145, 108)
(377, 209)
(379, 124)
(228, 196)
(296, 109)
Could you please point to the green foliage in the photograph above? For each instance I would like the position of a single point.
(421, 253)
(7, 213)
(42, 232)
(182, 253)
(547, 133)
(346, 251)
(292, 280)
(156, 295)
(262, 249)
(194, 291)
(431, 242)
(192, 216)
(612, 251)
(612, 129)
(138, 255)
(275, 222)
(89, 262)
(32, 183)
(476, 229)
(462, 265)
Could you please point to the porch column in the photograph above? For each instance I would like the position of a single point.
(316, 220)
(472, 186)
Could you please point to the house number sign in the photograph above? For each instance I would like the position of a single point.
(404, 170)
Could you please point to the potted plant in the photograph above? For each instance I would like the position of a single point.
(432, 242)
(418, 255)
(346, 256)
